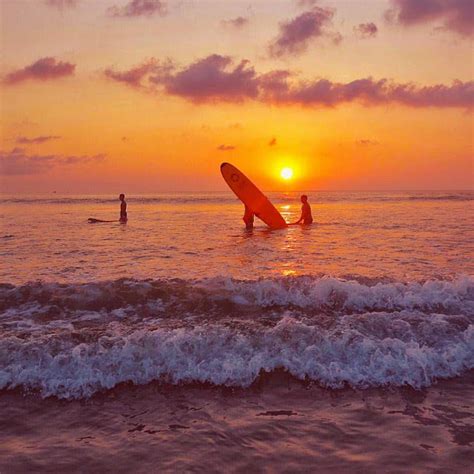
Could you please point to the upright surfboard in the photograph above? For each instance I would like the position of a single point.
(252, 197)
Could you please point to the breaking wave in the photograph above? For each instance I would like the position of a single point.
(73, 340)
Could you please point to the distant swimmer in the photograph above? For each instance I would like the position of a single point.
(123, 209)
(248, 218)
(306, 216)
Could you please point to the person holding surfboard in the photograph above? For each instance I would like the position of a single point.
(123, 209)
(249, 217)
(256, 203)
(306, 215)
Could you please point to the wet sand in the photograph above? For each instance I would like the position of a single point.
(278, 425)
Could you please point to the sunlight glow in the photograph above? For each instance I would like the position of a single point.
(286, 173)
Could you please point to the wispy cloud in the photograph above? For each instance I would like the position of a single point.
(236, 23)
(306, 3)
(295, 35)
(226, 147)
(62, 4)
(36, 140)
(137, 8)
(367, 142)
(453, 15)
(366, 30)
(18, 162)
(44, 69)
(218, 78)
(272, 142)
(143, 76)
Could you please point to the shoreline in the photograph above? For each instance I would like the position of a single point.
(280, 422)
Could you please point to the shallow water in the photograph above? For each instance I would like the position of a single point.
(379, 235)
(279, 425)
(347, 345)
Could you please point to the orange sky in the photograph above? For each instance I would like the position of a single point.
(373, 95)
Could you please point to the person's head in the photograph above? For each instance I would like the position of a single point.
(122, 197)
(304, 198)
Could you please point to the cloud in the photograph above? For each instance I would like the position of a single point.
(367, 142)
(61, 4)
(218, 78)
(236, 23)
(134, 76)
(366, 30)
(370, 92)
(44, 69)
(213, 78)
(18, 162)
(226, 147)
(136, 8)
(454, 15)
(306, 3)
(36, 140)
(272, 142)
(295, 35)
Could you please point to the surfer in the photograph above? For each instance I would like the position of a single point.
(248, 218)
(123, 209)
(306, 216)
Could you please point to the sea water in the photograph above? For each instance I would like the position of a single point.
(203, 340)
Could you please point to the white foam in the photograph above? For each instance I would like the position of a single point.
(330, 292)
(349, 353)
(71, 341)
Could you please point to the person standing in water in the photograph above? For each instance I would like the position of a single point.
(248, 218)
(306, 216)
(123, 209)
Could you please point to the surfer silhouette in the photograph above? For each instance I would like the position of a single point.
(306, 216)
(123, 209)
(248, 218)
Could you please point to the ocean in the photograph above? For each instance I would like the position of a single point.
(180, 342)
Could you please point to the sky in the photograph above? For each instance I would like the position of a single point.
(145, 96)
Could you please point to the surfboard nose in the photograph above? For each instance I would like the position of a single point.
(223, 164)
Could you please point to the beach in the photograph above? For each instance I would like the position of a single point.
(181, 342)
(278, 425)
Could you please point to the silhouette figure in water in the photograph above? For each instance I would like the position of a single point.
(306, 216)
(123, 209)
(248, 218)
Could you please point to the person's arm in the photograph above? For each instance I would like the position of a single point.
(298, 221)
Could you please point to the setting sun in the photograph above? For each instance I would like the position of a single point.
(286, 173)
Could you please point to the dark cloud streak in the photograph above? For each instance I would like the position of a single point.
(226, 147)
(18, 162)
(36, 140)
(44, 69)
(236, 23)
(138, 8)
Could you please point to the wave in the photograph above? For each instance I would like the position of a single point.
(71, 341)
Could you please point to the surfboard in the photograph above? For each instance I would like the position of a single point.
(252, 197)
(92, 220)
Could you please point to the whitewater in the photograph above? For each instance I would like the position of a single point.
(74, 340)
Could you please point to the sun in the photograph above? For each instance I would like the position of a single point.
(286, 173)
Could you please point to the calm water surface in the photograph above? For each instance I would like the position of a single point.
(399, 235)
